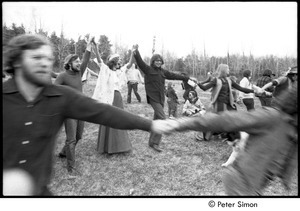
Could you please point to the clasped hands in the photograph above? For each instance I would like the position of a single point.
(164, 126)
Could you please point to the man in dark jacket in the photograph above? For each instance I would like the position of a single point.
(154, 78)
(34, 110)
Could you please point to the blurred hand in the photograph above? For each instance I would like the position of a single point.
(164, 126)
(135, 47)
(269, 94)
(259, 91)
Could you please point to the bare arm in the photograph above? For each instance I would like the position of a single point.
(97, 54)
(130, 61)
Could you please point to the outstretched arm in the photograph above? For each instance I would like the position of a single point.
(242, 89)
(251, 122)
(173, 76)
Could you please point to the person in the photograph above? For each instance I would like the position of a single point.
(263, 80)
(109, 84)
(247, 98)
(221, 93)
(187, 88)
(235, 93)
(194, 107)
(71, 77)
(34, 110)
(271, 149)
(155, 77)
(172, 100)
(85, 80)
(133, 78)
(283, 82)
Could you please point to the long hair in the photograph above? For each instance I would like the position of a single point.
(222, 70)
(16, 46)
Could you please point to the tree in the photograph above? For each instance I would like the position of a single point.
(104, 47)
(179, 65)
(10, 32)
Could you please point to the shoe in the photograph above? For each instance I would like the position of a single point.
(155, 147)
(73, 173)
(61, 155)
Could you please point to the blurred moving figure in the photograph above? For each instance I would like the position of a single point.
(34, 110)
(271, 149)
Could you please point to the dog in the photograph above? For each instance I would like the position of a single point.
(238, 142)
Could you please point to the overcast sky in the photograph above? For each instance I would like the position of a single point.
(262, 28)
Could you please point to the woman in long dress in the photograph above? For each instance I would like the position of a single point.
(111, 78)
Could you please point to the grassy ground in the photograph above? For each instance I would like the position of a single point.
(184, 168)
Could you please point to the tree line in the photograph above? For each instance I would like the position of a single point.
(194, 64)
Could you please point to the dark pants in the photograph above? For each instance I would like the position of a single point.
(265, 101)
(158, 114)
(172, 108)
(133, 86)
(74, 130)
(249, 103)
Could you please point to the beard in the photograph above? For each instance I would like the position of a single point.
(37, 78)
(75, 69)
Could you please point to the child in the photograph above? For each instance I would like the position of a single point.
(194, 107)
(172, 100)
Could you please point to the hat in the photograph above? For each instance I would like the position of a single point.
(293, 70)
(268, 72)
(114, 57)
(70, 58)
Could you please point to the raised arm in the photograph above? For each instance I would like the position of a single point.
(130, 61)
(142, 65)
(86, 56)
(96, 50)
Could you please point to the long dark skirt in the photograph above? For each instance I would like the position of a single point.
(113, 140)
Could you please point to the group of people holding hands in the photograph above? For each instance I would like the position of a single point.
(34, 109)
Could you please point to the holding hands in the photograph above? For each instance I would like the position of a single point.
(135, 47)
(164, 126)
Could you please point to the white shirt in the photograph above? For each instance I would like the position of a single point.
(134, 74)
(108, 81)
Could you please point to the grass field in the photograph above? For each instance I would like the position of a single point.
(185, 167)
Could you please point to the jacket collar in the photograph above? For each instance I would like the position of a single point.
(10, 87)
